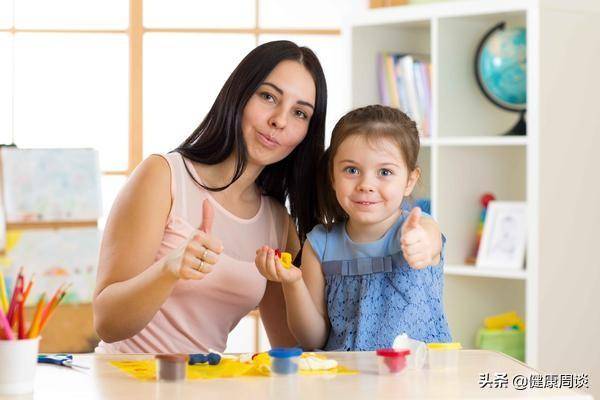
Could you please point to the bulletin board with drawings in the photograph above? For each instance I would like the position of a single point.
(51, 201)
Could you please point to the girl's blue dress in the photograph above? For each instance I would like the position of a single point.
(373, 295)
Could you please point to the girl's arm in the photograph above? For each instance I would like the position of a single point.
(131, 286)
(272, 306)
(304, 291)
(305, 300)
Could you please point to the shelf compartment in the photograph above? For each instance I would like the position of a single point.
(468, 300)
(368, 41)
(463, 110)
(463, 175)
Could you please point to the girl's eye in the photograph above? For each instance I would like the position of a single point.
(385, 172)
(351, 170)
(301, 114)
(267, 96)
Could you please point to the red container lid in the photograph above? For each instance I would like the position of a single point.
(393, 352)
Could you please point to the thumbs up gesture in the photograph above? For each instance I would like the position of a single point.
(195, 258)
(415, 242)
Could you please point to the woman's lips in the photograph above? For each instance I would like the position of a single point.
(267, 141)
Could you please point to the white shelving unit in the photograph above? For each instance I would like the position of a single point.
(466, 154)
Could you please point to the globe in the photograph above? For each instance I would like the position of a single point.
(502, 66)
(501, 70)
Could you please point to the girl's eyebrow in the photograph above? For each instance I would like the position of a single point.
(379, 165)
(278, 90)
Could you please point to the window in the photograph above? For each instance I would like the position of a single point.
(135, 78)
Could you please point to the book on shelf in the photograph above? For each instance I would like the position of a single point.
(405, 83)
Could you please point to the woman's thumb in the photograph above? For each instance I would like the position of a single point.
(208, 215)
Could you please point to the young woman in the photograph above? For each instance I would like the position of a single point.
(176, 270)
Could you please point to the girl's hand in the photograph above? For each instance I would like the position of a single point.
(271, 268)
(194, 259)
(415, 242)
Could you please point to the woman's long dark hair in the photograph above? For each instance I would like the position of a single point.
(220, 133)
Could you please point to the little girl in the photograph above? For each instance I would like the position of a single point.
(370, 271)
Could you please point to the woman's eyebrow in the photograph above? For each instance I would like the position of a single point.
(278, 90)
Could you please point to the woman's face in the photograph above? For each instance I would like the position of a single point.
(277, 115)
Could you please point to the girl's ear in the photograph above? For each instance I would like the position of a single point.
(413, 178)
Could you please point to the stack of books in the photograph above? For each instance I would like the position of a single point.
(405, 83)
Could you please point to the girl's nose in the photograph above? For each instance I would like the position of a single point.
(365, 186)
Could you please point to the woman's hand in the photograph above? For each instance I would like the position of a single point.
(417, 248)
(195, 258)
(271, 268)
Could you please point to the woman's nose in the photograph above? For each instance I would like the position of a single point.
(278, 119)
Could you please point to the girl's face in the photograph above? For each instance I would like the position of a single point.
(277, 115)
(370, 179)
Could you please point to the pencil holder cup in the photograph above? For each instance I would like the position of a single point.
(18, 359)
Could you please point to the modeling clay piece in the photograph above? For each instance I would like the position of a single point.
(286, 260)
(171, 367)
(314, 363)
(210, 358)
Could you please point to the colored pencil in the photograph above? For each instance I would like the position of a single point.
(3, 295)
(29, 285)
(18, 288)
(21, 316)
(34, 329)
(5, 326)
(50, 306)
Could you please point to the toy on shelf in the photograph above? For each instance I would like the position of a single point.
(504, 333)
(484, 200)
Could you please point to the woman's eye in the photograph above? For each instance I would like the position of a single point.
(267, 96)
(385, 172)
(351, 170)
(301, 114)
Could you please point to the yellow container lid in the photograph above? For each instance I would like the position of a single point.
(444, 346)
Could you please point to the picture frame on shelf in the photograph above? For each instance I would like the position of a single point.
(504, 236)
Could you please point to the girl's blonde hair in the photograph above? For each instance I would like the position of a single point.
(374, 122)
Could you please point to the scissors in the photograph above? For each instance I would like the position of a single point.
(65, 360)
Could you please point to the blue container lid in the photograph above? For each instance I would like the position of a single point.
(285, 352)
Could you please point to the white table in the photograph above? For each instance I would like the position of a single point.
(104, 381)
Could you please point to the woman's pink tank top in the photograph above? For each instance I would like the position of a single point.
(199, 315)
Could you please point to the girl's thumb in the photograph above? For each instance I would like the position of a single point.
(413, 218)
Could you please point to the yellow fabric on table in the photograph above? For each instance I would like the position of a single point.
(227, 368)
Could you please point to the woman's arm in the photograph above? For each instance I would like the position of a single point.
(131, 286)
